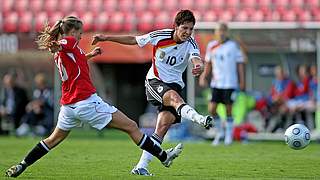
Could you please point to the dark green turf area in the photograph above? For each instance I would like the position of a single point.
(111, 155)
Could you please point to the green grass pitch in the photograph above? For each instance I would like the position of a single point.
(112, 155)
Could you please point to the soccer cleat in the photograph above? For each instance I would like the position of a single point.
(16, 170)
(141, 171)
(172, 153)
(207, 122)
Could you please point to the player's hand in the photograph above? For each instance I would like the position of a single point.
(54, 46)
(197, 70)
(97, 38)
(96, 51)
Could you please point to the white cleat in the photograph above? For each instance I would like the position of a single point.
(172, 153)
(206, 122)
(141, 171)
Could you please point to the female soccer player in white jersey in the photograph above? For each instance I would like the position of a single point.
(79, 100)
(225, 62)
(173, 49)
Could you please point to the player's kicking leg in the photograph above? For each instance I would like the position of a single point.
(41, 149)
(122, 122)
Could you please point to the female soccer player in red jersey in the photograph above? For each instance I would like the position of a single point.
(80, 103)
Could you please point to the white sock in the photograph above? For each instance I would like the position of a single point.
(189, 113)
(146, 157)
(229, 130)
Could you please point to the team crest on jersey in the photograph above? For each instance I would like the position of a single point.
(63, 41)
(162, 54)
(160, 89)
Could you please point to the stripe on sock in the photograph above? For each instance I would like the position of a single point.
(44, 145)
(157, 138)
(143, 139)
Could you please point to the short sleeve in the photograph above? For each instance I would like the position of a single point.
(68, 43)
(194, 51)
(151, 38)
(239, 55)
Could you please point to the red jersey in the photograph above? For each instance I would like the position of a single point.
(74, 72)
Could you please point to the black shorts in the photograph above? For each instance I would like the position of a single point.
(155, 89)
(221, 95)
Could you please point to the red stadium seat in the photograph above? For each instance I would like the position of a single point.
(186, 4)
(264, 4)
(226, 16)
(162, 20)
(6, 6)
(36, 5)
(217, 4)
(110, 5)
(272, 16)
(51, 6)
(233, 3)
(169, 5)
(21, 6)
(129, 22)
(67, 6)
(88, 20)
(140, 5)
(145, 22)
(242, 16)
(248, 3)
(81, 6)
(40, 19)
(304, 15)
(116, 22)
(101, 22)
(297, 4)
(257, 16)
(55, 16)
(202, 5)
(288, 15)
(197, 15)
(312, 3)
(155, 5)
(10, 23)
(316, 14)
(95, 6)
(210, 16)
(125, 5)
(25, 23)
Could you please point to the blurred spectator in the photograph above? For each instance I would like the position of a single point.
(282, 90)
(39, 117)
(13, 101)
(311, 103)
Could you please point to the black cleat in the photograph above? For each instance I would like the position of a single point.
(15, 170)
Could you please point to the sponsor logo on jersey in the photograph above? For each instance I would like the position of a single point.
(162, 54)
(160, 89)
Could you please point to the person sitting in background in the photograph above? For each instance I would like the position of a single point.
(13, 101)
(282, 90)
(39, 117)
(296, 105)
(311, 103)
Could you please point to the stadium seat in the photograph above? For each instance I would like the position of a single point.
(234, 4)
(129, 22)
(145, 23)
(257, 16)
(202, 5)
(186, 4)
(101, 21)
(116, 21)
(312, 4)
(39, 20)
(95, 6)
(140, 5)
(304, 15)
(36, 6)
(6, 6)
(264, 5)
(51, 6)
(110, 5)
(67, 6)
(242, 16)
(226, 16)
(248, 3)
(297, 4)
(21, 6)
(125, 5)
(316, 14)
(25, 22)
(169, 5)
(272, 16)
(162, 20)
(288, 15)
(217, 4)
(88, 20)
(10, 22)
(155, 6)
(80, 6)
(210, 16)
(198, 15)
(55, 16)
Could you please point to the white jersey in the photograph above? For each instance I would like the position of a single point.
(224, 58)
(170, 59)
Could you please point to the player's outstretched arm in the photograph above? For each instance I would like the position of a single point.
(203, 82)
(123, 39)
(197, 66)
(96, 51)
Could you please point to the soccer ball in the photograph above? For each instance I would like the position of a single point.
(297, 136)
